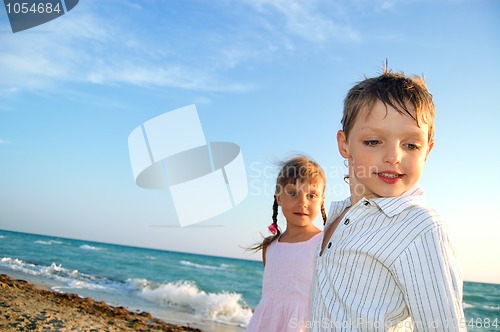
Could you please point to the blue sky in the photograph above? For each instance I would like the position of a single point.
(268, 75)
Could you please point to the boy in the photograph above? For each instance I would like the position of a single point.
(385, 256)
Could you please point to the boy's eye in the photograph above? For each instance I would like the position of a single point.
(413, 146)
(371, 142)
(291, 193)
(311, 196)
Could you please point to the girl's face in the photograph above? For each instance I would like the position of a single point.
(300, 202)
(386, 152)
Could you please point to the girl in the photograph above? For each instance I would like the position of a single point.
(289, 257)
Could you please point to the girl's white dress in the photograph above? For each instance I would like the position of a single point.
(286, 287)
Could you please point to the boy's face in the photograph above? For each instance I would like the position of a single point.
(300, 202)
(386, 152)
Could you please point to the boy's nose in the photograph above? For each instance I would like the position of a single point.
(393, 155)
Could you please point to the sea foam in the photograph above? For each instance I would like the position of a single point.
(222, 307)
(202, 266)
(49, 243)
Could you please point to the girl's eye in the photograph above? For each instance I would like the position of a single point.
(371, 142)
(292, 193)
(312, 196)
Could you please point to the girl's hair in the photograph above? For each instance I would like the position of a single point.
(297, 169)
(407, 95)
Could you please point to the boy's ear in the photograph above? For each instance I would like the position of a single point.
(429, 148)
(342, 144)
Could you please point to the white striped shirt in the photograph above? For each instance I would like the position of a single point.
(389, 259)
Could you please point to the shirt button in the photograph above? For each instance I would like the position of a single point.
(329, 245)
(346, 222)
(367, 203)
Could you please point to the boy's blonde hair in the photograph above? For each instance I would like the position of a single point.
(407, 95)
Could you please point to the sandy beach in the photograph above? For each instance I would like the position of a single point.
(26, 307)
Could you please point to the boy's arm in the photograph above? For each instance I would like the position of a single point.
(429, 276)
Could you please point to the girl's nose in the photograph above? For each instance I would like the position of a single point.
(303, 201)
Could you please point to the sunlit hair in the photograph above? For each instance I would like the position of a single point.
(407, 95)
(298, 169)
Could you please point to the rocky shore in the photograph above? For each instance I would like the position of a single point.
(25, 307)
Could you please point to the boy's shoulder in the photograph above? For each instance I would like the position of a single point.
(410, 207)
(422, 214)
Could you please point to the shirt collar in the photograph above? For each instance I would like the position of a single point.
(390, 206)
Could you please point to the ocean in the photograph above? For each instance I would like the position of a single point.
(213, 293)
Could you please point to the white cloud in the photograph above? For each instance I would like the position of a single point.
(387, 4)
(83, 47)
(148, 75)
(307, 20)
(8, 91)
(86, 47)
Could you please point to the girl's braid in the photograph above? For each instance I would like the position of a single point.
(275, 220)
(275, 211)
(323, 213)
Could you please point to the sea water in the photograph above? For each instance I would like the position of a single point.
(213, 293)
(481, 303)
